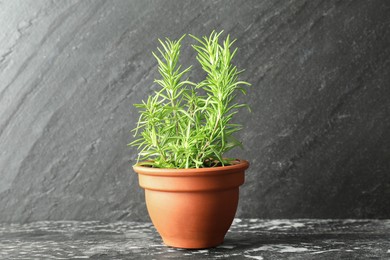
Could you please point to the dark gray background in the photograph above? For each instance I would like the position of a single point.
(318, 137)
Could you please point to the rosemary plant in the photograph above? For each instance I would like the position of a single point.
(186, 124)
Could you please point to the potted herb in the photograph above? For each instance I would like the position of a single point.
(184, 129)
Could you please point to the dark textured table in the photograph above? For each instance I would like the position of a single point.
(247, 239)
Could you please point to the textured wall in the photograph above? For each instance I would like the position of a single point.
(318, 137)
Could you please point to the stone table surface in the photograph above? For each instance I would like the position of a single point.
(246, 239)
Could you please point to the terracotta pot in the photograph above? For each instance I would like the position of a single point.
(192, 208)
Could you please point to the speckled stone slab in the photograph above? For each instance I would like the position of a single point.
(247, 239)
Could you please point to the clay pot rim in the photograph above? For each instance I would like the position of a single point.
(239, 165)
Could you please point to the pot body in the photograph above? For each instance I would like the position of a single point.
(192, 208)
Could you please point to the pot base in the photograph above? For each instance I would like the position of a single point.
(192, 219)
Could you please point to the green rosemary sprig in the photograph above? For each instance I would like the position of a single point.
(181, 128)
